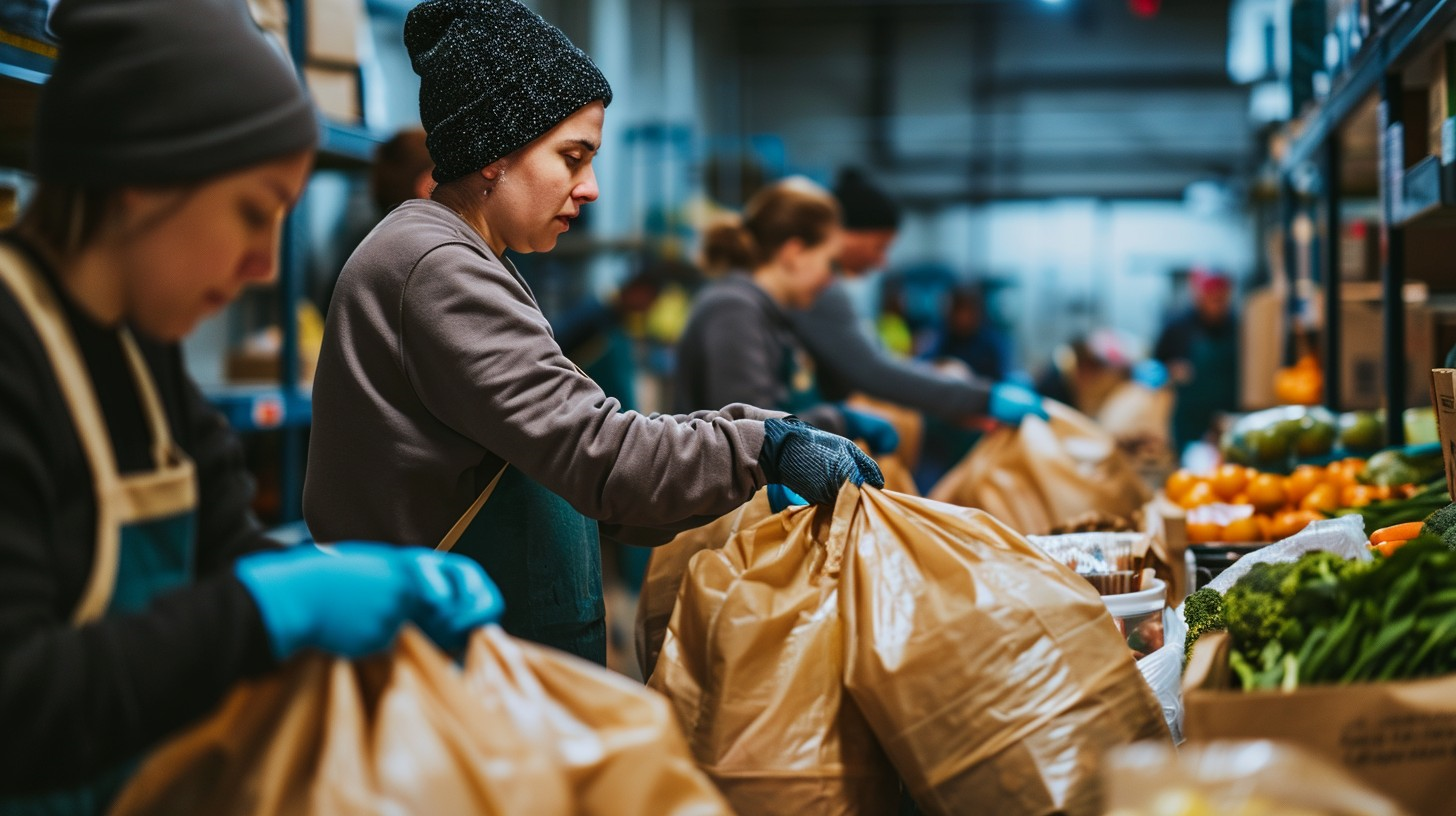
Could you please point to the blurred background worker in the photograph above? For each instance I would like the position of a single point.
(1200, 349)
(738, 345)
(847, 361)
(402, 170)
(969, 338)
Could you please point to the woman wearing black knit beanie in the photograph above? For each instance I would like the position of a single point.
(444, 411)
(136, 587)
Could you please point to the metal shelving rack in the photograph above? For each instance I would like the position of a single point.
(1314, 141)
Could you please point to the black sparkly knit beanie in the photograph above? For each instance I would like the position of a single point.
(160, 92)
(863, 205)
(493, 77)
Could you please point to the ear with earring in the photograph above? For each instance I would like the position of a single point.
(493, 180)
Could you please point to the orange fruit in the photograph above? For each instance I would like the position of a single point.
(1323, 498)
(1197, 496)
(1229, 480)
(1179, 484)
(1266, 526)
(1358, 495)
(1302, 480)
(1204, 532)
(1291, 522)
(1244, 529)
(1266, 493)
(1242, 498)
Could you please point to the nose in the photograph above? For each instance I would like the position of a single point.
(587, 192)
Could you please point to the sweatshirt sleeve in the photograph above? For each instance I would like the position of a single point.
(480, 356)
(830, 330)
(76, 700)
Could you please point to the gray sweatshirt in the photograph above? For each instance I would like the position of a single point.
(438, 366)
(847, 361)
(734, 349)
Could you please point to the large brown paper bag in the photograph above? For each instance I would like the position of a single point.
(753, 665)
(618, 743)
(991, 674)
(1397, 737)
(669, 563)
(385, 736)
(1045, 472)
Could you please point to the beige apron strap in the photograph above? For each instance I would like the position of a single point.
(448, 542)
(39, 303)
(164, 450)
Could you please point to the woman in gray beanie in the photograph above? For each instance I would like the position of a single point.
(444, 411)
(135, 585)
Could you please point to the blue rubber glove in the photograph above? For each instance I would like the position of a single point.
(781, 498)
(351, 600)
(1012, 403)
(813, 463)
(878, 433)
(1151, 373)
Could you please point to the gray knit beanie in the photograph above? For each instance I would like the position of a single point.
(158, 92)
(493, 77)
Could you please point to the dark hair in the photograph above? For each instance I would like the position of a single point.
(66, 218)
(398, 163)
(783, 211)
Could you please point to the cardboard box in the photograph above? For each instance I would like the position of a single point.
(1362, 347)
(336, 92)
(1399, 737)
(333, 32)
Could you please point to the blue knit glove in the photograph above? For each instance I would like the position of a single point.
(813, 463)
(781, 498)
(351, 600)
(1012, 403)
(878, 433)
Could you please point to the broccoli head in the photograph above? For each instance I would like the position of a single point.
(1253, 608)
(1441, 522)
(1203, 612)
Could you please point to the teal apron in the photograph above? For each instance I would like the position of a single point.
(145, 522)
(545, 557)
(1215, 362)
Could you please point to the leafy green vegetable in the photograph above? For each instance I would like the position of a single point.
(1441, 521)
(1323, 619)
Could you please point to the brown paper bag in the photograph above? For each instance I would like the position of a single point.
(1135, 411)
(992, 675)
(1397, 737)
(669, 563)
(322, 736)
(1043, 473)
(619, 744)
(897, 476)
(752, 664)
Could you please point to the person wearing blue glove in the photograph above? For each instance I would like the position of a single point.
(453, 417)
(351, 599)
(738, 345)
(136, 586)
(1150, 373)
(1011, 403)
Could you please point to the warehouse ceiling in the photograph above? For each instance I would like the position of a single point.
(994, 99)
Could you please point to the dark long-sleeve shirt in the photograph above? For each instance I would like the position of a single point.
(733, 349)
(74, 700)
(846, 361)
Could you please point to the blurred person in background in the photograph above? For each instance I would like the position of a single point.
(402, 170)
(738, 345)
(445, 411)
(969, 338)
(1200, 349)
(847, 360)
(136, 586)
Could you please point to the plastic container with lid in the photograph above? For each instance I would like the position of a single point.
(1139, 616)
